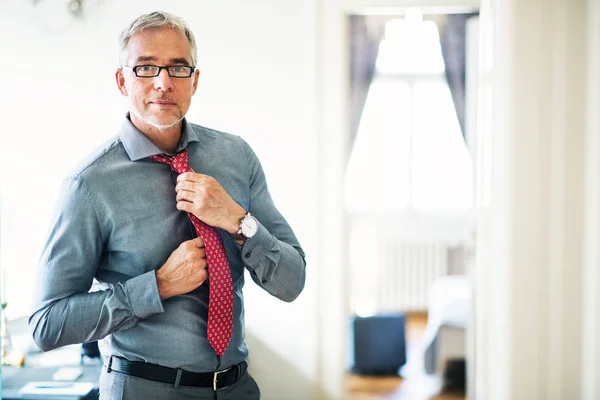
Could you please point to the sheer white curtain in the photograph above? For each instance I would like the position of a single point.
(409, 155)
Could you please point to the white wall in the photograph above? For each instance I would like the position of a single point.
(536, 314)
(591, 278)
(58, 101)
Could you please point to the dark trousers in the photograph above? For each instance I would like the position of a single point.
(118, 386)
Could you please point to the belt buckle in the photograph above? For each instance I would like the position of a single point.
(215, 378)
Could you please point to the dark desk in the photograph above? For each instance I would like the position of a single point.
(14, 378)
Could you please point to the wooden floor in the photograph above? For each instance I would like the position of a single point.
(417, 387)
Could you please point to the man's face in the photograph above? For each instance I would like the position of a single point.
(160, 102)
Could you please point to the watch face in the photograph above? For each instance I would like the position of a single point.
(249, 226)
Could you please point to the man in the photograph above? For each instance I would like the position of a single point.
(168, 215)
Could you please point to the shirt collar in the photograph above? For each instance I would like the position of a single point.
(138, 146)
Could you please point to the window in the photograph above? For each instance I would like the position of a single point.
(409, 154)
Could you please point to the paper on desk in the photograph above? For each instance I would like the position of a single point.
(67, 374)
(57, 388)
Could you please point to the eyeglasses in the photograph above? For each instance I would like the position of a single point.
(151, 71)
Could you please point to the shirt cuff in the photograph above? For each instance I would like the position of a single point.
(142, 292)
(255, 248)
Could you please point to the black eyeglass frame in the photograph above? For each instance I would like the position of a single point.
(160, 68)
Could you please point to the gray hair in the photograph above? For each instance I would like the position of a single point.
(156, 19)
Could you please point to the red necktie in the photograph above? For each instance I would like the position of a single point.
(220, 300)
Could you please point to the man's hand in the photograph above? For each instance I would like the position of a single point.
(204, 197)
(184, 270)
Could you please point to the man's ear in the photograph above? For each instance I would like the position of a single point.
(195, 84)
(120, 78)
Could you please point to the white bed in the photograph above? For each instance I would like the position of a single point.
(448, 314)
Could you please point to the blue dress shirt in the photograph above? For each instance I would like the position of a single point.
(116, 222)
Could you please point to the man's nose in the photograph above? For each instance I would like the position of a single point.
(163, 81)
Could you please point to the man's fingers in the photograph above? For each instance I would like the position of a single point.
(192, 177)
(184, 196)
(185, 185)
(198, 242)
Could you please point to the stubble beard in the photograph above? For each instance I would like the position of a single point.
(148, 119)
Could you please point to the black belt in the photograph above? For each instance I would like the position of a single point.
(178, 377)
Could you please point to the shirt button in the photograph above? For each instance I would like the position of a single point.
(264, 281)
(248, 254)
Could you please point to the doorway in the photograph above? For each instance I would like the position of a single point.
(409, 202)
(410, 220)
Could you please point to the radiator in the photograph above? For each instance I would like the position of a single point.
(395, 275)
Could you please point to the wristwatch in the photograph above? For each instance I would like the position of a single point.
(248, 226)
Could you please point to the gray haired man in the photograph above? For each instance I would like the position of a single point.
(167, 215)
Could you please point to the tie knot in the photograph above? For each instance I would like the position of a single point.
(178, 162)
